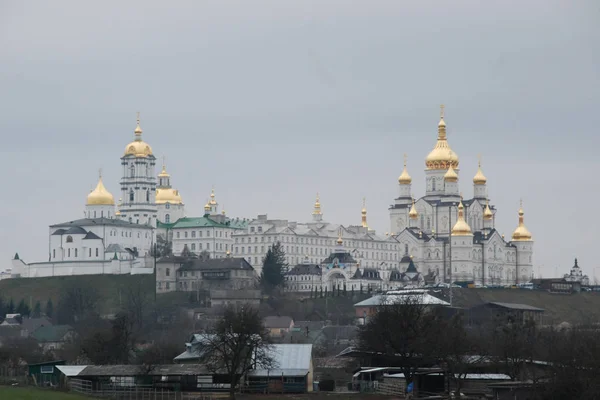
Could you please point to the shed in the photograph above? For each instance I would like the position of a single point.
(292, 371)
(46, 373)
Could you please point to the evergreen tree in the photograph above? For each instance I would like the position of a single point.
(37, 310)
(274, 269)
(23, 308)
(11, 307)
(49, 309)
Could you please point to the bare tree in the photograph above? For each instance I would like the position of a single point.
(402, 331)
(236, 344)
(77, 302)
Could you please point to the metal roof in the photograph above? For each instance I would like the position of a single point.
(516, 306)
(288, 360)
(399, 298)
(71, 370)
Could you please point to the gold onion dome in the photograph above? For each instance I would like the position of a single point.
(461, 228)
(138, 147)
(317, 210)
(487, 213)
(100, 196)
(479, 178)
(450, 175)
(168, 195)
(412, 214)
(442, 156)
(339, 241)
(207, 207)
(404, 178)
(521, 233)
(164, 173)
(212, 197)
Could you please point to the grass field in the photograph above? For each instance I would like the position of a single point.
(21, 393)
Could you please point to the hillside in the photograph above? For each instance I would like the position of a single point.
(111, 288)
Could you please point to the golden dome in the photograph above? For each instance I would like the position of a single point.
(212, 198)
(451, 175)
(521, 233)
(442, 156)
(487, 213)
(339, 241)
(479, 178)
(100, 196)
(164, 173)
(168, 195)
(412, 214)
(363, 213)
(138, 147)
(317, 210)
(461, 228)
(404, 178)
(207, 207)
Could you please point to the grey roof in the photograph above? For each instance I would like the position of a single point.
(305, 269)
(277, 322)
(138, 370)
(217, 263)
(59, 231)
(100, 222)
(90, 235)
(288, 360)
(75, 230)
(31, 324)
(516, 306)
(115, 248)
(411, 267)
(343, 258)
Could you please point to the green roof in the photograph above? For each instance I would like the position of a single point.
(54, 333)
(203, 222)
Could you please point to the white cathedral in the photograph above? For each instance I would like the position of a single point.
(440, 237)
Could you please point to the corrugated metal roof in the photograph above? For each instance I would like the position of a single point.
(288, 360)
(517, 306)
(399, 298)
(71, 370)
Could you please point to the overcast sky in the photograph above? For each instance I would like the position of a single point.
(272, 101)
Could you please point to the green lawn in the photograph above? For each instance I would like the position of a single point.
(23, 393)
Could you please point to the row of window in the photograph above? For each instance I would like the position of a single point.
(126, 234)
(318, 241)
(193, 233)
(76, 253)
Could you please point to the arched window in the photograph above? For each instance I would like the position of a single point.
(406, 249)
(167, 205)
(69, 239)
(167, 217)
(147, 195)
(75, 252)
(433, 184)
(428, 223)
(102, 214)
(422, 221)
(131, 195)
(131, 171)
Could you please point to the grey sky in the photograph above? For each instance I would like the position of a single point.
(272, 101)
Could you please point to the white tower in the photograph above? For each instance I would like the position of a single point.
(462, 246)
(138, 185)
(479, 183)
(399, 210)
(488, 217)
(317, 215)
(523, 242)
(169, 204)
(100, 202)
